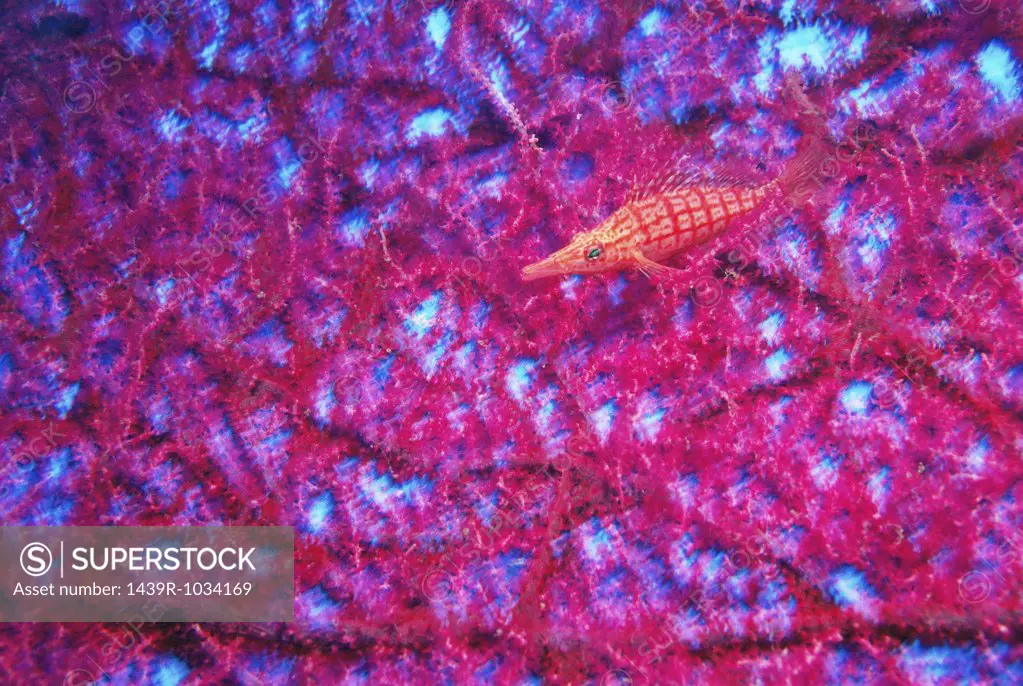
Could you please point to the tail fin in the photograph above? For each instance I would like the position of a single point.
(814, 162)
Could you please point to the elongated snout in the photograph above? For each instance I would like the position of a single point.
(538, 270)
(552, 265)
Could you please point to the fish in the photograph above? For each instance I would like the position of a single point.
(651, 227)
(670, 213)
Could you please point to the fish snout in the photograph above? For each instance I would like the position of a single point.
(538, 270)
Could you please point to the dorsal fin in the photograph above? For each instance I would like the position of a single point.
(661, 179)
(671, 179)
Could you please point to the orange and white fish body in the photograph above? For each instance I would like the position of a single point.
(647, 230)
(669, 214)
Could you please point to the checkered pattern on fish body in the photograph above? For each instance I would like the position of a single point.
(664, 224)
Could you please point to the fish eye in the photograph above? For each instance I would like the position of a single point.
(594, 252)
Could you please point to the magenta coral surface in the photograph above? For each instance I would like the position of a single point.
(260, 266)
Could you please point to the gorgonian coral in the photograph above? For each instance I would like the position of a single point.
(260, 265)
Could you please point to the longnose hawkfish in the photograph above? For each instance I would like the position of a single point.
(670, 214)
(651, 228)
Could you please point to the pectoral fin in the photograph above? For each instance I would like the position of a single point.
(648, 266)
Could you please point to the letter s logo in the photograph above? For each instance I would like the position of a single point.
(40, 559)
(79, 97)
